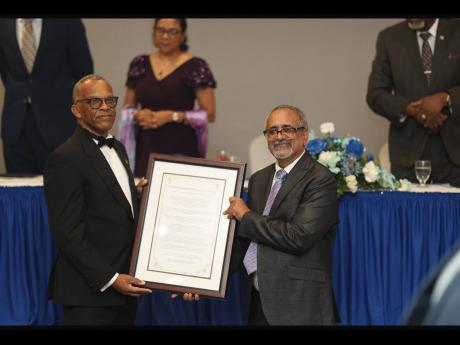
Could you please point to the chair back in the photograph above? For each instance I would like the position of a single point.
(259, 156)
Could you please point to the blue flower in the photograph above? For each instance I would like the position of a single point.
(344, 158)
(355, 147)
(315, 146)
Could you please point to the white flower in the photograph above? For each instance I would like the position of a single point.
(405, 186)
(327, 128)
(329, 159)
(371, 172)
(352, 183)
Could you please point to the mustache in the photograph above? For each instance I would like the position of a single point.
(105, 113)
(281, 142)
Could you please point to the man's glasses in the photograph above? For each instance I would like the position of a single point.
(288, 131)
(170, 32)
(96, 102)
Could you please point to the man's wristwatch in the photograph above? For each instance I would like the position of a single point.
(175, 116)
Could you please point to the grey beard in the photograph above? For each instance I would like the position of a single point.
(279, 155)
(416, 25)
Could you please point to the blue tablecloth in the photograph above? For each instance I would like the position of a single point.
(386, 243)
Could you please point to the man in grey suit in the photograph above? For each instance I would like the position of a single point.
(415, 84)
(285, 234)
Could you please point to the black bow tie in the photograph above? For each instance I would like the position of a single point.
(101, 141)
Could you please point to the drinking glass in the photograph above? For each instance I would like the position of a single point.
(222, 155)
(422, 171)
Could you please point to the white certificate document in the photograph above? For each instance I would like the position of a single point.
(186, 225)
(184, 234)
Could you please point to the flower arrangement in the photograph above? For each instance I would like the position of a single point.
(354, 170)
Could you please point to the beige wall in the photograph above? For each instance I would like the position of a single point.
(319, 65)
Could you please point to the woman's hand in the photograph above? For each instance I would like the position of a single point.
(162, 117)
(144, 118)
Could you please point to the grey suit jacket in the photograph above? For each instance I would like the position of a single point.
(295, 243)
(397, 78)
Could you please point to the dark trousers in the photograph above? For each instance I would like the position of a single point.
(28, 155)
(100, 316)
(442, 169)
(256, 312)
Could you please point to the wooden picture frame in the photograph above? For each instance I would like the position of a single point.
(183, 241)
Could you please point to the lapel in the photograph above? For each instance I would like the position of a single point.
(413, 51)
(296, 174)
(132, 187)
(440, 51)
(13, 37)
(102, 168)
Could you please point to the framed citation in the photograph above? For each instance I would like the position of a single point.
(183, 241)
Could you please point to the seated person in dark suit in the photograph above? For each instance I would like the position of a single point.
(438, 301)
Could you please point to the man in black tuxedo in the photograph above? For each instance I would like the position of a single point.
(40, 61)
(415, 84)
(285, 234)
(93, 206)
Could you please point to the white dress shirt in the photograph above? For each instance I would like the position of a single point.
(36, 24)
(431, 40)
(122, 177)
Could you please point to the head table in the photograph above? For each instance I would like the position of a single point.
(386, 243)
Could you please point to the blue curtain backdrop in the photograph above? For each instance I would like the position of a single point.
(386, 243)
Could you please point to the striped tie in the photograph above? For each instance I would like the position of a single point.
(250, 259)
(29, 46)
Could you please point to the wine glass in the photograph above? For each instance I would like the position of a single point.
(422, 171)
(235, 159)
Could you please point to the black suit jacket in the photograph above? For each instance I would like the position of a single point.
(294, 243)
(91, 222)
(62, 58)
(397, 78)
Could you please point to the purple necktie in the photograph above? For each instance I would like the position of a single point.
(250, 259)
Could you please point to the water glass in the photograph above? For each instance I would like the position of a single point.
(422, 171)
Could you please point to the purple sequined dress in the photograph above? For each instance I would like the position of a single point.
(177, 91)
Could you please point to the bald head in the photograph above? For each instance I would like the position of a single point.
(300, 115)
(77, 87)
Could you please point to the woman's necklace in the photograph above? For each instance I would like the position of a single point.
(162, 66)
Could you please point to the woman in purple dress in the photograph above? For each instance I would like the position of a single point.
(161, 91)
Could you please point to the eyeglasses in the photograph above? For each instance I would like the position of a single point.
(286, 131)
(170, 32)
(96, 102)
